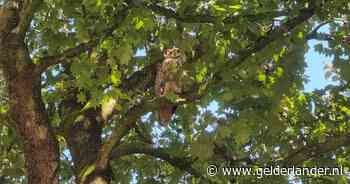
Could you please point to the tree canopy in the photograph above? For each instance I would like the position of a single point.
(78, 104)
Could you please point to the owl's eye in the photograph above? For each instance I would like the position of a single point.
(167, 52)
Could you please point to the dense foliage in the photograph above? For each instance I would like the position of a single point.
(243, 103)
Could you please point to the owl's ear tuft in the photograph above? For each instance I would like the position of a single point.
(166, 52)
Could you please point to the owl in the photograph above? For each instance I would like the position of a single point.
(168, 81)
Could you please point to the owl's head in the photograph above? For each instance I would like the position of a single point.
(172, 53)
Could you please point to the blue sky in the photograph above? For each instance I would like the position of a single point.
(315, 65)
(315, 68)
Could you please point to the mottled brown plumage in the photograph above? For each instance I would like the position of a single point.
(167, 81)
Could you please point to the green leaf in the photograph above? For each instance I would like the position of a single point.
(203, 147)
(124, 53)
(13, 172)
(261, 77)
(81, 98)
(219, 8)
(223, 132)
(139, 23)
(201, 73)
(227, 96)
(235, 7)
(87, 171)
(115, 77)
(241, 132)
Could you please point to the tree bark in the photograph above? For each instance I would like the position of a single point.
(27, 112)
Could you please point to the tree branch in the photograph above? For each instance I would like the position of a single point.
(140, 80)
(320, 36)
(66, 55)
(123, 127)
(205, 18)
(183, 163)
(15, 16)
(310, 151)
(275, 34)
(9, 18)
(26, 15)
(320, 25)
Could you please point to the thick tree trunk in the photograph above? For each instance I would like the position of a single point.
(28, 113)
(40, 147)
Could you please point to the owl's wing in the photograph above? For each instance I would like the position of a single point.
(160, 82)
